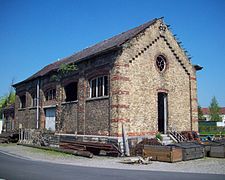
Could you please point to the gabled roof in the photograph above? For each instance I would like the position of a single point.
(104, 46)
(205, 111)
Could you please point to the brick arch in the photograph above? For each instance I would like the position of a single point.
(68, 81)
(163, 90)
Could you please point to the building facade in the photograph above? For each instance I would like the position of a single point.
(140, 79)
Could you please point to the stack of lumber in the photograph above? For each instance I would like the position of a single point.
(163, 153)
(93, 147)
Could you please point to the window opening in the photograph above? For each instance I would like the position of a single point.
(161, 63)
(99, 87)
(50, 94)
(71, 91)
(23, 101)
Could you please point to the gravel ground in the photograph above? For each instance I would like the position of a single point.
(204, 165)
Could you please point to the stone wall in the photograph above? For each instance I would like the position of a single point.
(84, 116)
(97, 117)
(69, 118)
(136, 82)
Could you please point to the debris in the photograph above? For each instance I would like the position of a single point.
(93, 147)
(137, 160)
(140, 146)
(9, 137)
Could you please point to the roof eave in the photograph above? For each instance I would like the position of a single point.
(114, 48)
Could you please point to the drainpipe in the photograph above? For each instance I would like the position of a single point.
(190, 101)
(37, 103)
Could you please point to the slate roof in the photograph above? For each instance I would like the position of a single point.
(101, 47)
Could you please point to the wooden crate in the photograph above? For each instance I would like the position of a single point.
(191, 150)
(217, 151)
(163, 153)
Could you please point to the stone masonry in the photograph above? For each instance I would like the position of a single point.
(134, 81)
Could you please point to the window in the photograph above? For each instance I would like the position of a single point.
(71, 91)
(50, 94)
(161, 63)
(99, 87)
(23, 101)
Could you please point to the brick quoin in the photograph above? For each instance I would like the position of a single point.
(120, 92)
(194, 119)
(120, 106)
(193, 78)
(120, 120)
(195, 110)
(118, 65)
(194, 99)
(120, 78)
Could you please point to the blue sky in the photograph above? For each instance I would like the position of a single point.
(36, 33)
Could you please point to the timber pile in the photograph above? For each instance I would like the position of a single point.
(163, 153)
(140, 146)
(93, 147)
(9, 137)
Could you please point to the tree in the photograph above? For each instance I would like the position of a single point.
(7, 99)
(214, 110)
(200, 113)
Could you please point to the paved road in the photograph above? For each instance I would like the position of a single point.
(16, 168)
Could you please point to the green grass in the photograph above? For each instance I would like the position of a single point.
(48, 152)
(212, 133)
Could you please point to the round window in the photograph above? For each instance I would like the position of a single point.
(161, 63)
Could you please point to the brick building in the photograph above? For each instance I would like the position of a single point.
(141, 78)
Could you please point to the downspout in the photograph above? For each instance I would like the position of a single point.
(190, 101)
(38, 87)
